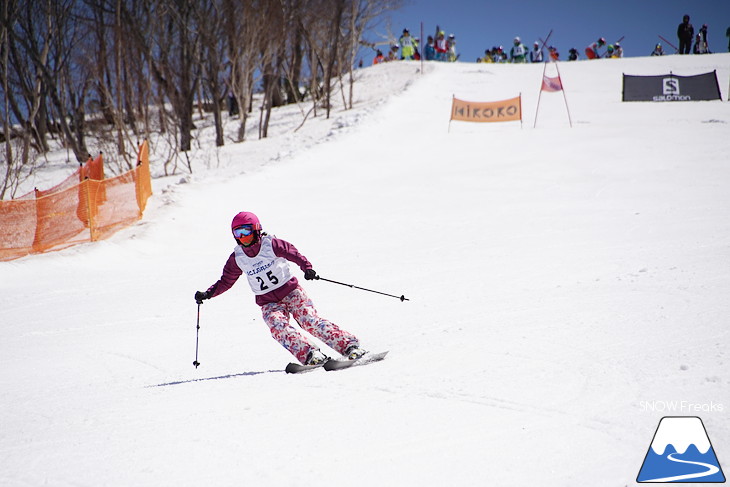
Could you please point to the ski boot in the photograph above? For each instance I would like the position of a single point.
(316, 357)
(354, 352)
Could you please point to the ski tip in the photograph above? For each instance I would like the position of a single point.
(292, 368)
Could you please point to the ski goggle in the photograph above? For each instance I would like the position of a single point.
(243, 231)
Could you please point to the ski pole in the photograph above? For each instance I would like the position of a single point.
(401, 297)
(670, 44)
(197, 329)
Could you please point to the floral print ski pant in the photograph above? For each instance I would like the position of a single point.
(298, 305)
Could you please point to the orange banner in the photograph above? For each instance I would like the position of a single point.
(496, 111)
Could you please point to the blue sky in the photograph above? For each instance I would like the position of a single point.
(479, 25)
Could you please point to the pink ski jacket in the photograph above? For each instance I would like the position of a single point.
(283, 249)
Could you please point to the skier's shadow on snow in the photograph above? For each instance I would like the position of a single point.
(220, 377)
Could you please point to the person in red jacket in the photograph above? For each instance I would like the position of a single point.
(441, 46)
(379, 58)
(592, 50)
(265, 262)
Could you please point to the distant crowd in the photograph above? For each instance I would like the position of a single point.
(439, 47)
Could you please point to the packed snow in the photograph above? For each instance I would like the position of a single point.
(566, 287)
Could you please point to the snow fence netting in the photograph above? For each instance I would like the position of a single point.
(83, 208)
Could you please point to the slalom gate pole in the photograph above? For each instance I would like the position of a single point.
(197, 329)
(539, 95)
(565, 98)
(423, 50)
(544, 43)
(401, 297)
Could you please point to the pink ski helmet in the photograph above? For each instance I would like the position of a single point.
(246, 218)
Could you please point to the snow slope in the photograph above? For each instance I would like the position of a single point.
(558, 280)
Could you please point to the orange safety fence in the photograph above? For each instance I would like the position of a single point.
(68, 214)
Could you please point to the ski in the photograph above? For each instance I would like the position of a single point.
(369, 358)
(294, 368)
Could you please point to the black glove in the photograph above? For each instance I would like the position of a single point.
(309, 274)
(201, 295)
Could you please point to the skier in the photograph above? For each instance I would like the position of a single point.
(592, 50)
(264, 260)
(618, 51)
(685, 34)
(499, 55)
(379, 58)
(701, 46)
(429, 51)
(488, 56)
(392, 54)
(407, 45)
(658, 50)
(573, 54)
(441, 46)
(518, 52)
(536, 55)
(554, 54)
(451, 55)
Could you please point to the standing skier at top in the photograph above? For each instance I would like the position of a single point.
(264, 260)
(701, 46)
(441, 47)
(536, 55)
(408, 45)
(451, 55)
(518, 53)
(685, 34)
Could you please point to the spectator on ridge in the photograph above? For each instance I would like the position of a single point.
(408, 45)
(536, 55)
(518, 53)
(592, 50)
(685, 34)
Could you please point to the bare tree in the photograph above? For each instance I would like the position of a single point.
(273, 44)
(63, 85)
(210, 22)
(358, 18)
(6, 14)
(292, 68)
(171, 49)
(118, 69)
(28, 52)
(244, 26)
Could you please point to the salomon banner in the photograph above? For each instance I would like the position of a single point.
(670, 87)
